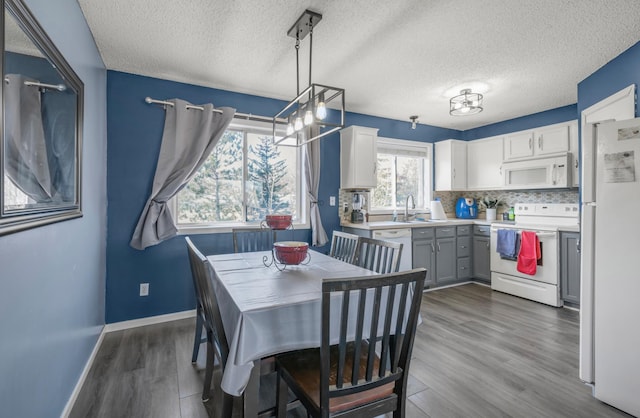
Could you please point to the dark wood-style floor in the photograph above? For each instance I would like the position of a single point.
(478, 353)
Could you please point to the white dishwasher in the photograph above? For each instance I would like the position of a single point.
(401, 235)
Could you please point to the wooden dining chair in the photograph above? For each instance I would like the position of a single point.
(253, 239)
(325, 380)
(216, 338)
(378, 255)
(217, 346)
(343, 246)
(198, 338)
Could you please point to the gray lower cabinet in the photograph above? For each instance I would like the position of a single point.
(570, 267)
(463, 252)
(446, 260)
(424, 252)
(481, 253)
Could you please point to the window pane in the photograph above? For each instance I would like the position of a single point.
(409, 180)
(271, 178)
(215, 192)
(383, 193)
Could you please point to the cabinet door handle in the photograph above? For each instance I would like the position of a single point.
(576, 163)
(433, 249)
(454, 173)
(463, 268)
(438, 247)
(487, 244)
(530, 140)
(578, 245)
(463, 246)
(540, 142)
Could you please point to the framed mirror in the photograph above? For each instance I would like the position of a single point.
(41, 131)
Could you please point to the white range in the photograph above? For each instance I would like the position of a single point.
(546, 220)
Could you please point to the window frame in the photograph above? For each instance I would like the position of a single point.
(302, 201)
(408, 146)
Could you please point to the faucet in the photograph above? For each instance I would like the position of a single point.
(406, 207)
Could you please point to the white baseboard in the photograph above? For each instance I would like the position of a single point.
(83, 376)
(134, 323)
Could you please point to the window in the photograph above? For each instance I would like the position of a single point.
(245, 178)
(404, 167)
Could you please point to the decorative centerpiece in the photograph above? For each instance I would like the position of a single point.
(278, 222)
(288, 253)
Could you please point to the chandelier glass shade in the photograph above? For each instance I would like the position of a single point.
(307, 117)
(466, 103)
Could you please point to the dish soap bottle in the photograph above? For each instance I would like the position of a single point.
(512, 215)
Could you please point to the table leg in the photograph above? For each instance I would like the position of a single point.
(251, 393)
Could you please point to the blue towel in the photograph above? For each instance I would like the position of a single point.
(506, 245)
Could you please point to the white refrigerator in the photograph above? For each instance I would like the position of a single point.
(610, 263)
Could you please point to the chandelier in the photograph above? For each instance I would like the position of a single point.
(307, 116)
(466, 103)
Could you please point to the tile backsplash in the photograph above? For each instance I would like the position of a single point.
(509, 197)
(448, 199)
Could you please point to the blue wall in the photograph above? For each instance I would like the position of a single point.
(135, 131)
(617, 74)
(52, 278)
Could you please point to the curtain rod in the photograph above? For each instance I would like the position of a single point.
(246, 116)
(59, 87)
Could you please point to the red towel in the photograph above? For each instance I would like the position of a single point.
(529, 253)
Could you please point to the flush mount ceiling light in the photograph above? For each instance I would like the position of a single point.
(466, 103)
(307, 116)
(414, 121)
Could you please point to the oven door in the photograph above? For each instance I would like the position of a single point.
(547, 269)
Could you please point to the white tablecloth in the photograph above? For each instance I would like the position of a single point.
(266, 311)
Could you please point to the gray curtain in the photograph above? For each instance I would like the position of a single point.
(312, 178)
(189, 137)
(26, 161)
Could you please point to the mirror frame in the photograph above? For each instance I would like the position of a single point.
(20, 220)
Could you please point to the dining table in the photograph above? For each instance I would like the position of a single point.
(267, 309)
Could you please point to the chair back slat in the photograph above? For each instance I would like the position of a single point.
(373, 332)
(343, 246)
(387, 330)
(343, 340)
(253, 239)
(378, 255)
(355, 375)
(379, 301)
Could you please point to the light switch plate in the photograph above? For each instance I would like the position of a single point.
(332, 200)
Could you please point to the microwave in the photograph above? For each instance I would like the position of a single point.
(538, 173)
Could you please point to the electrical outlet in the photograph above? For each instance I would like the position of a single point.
(332, 200)
(144, 289)
(345, 207)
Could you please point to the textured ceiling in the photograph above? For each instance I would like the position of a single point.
(394, 58)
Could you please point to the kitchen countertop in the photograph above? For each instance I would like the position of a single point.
(426, 224)
(413, 224)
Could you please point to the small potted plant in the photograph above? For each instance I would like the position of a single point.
(491, 206)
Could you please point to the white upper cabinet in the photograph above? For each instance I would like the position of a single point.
(573, 148)
(358, 157)
(484, 163)
(451, 165)
(546, 140)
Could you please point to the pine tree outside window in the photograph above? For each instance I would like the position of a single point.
(245, 178)
(404, 167)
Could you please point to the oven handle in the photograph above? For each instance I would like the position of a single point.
(538, 233)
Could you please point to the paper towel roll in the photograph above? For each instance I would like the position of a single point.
(437, 212)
